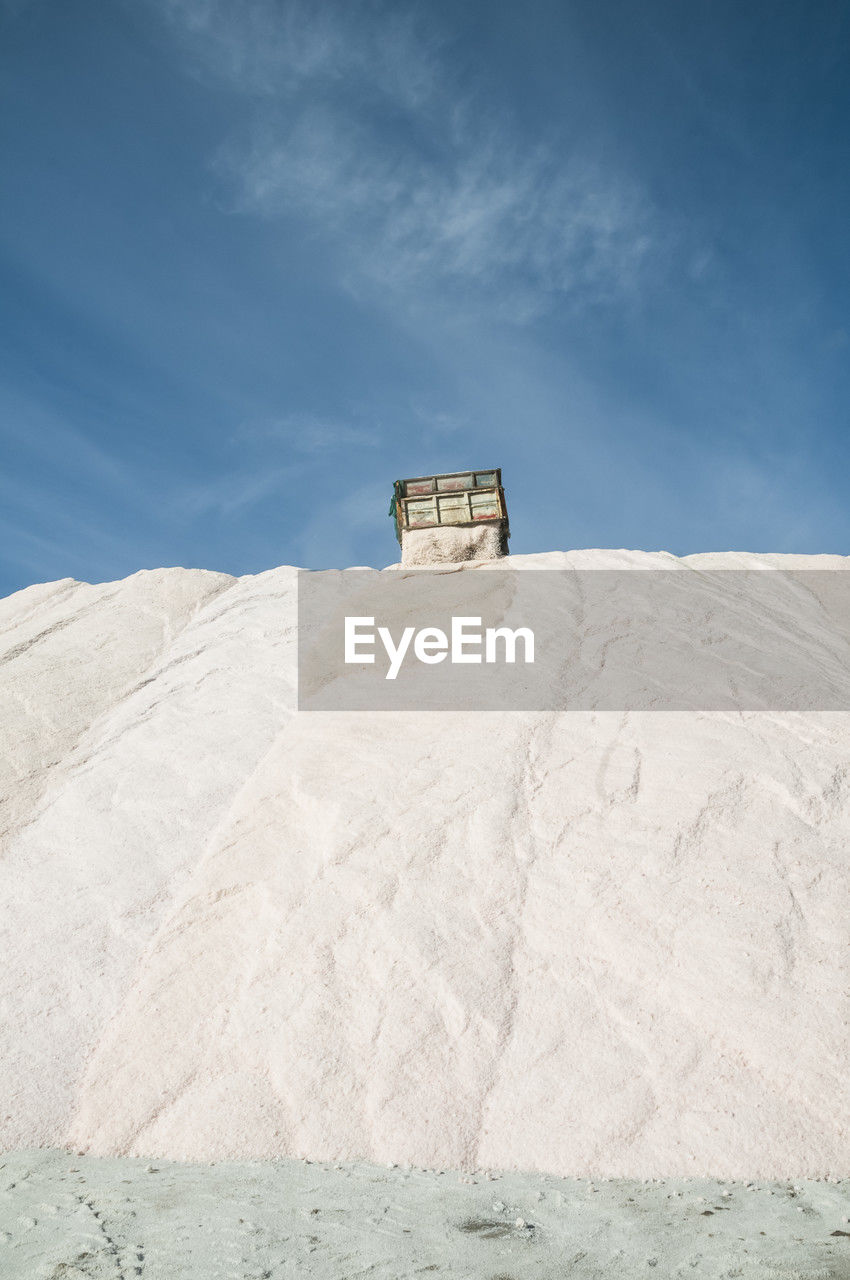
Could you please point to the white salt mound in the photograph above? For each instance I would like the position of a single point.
(451, 545)
(582, 943)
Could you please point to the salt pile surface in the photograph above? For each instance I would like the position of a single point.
(582, 943)
(450, 544)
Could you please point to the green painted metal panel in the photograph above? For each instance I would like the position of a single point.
(485, 505)
(453, 507)
(421, 511)
(453, 498)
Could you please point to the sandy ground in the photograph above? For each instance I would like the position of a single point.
(64, 1217)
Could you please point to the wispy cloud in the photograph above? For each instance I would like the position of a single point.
(307, 434)
(363, 128)
(49, 533)
(301, 437)
(271, 48)
(231, 492)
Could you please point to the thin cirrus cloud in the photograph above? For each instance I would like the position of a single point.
(232, 493)
(307, 434)
(305, 438)
(519, 227)
(361, 128)
(267, 48)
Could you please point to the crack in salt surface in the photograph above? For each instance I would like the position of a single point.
(532, 774)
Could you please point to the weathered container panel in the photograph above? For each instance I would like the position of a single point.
(420, 511)
(485, 505)
(452, 500)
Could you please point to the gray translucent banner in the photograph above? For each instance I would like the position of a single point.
(601, 640)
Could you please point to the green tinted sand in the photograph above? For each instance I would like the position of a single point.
(65, 1217)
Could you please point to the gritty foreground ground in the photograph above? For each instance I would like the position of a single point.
(65, 1217)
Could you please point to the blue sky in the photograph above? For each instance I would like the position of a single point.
(260, 258)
